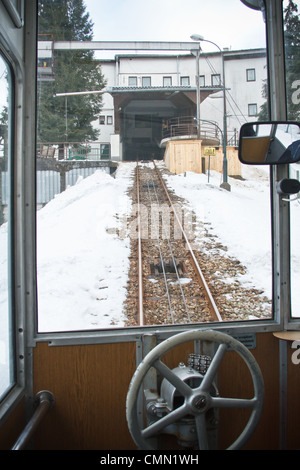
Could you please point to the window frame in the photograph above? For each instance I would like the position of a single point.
(10, 234)
(216, 77)
(250, 114)
(146, 79)
(183, 79)
(133, 334)
(16, 42)
(131, 78)
(248, 75)
(167, 78)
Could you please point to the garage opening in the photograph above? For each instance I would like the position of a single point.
(142, 116)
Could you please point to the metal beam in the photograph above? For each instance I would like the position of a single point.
(123, 45)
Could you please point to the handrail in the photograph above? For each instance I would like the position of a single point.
(187, 126)
(45, 401)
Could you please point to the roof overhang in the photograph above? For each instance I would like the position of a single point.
(176, 94)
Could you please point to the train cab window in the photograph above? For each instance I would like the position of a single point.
(7, 359)
(87, 230)
(292, 57)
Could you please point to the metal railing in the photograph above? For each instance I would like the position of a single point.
(74, 150)
(45, 401)
(187, 126)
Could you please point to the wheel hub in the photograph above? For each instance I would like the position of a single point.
(200, 402)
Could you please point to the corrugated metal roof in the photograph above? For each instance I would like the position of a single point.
(161, 88)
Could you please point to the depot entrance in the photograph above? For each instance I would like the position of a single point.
(140, 117)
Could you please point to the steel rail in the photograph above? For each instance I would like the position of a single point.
(213, 307)
(162, 262)
(173, 260)
(139, 248)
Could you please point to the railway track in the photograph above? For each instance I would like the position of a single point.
(170, 287)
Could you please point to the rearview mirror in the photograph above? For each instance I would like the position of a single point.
(269, 143)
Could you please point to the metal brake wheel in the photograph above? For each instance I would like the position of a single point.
(197, 401)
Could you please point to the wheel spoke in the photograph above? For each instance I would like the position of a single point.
(201, 432)
(158, 426)
(180, 386)
(213, 368)
(197, 401)
(219, 402)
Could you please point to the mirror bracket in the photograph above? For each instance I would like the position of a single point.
(288, 186)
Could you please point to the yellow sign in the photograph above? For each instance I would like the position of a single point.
(209, 151)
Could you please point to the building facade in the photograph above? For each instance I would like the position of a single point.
(151, 97)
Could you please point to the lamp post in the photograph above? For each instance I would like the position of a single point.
(198, 37)
(198, 101)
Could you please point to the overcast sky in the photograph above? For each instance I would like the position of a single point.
(228, 23)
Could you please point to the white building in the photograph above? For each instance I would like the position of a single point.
(148, 93)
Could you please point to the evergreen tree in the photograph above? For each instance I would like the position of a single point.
(4, 130)
(68, 119)
(292, 47)
(264, 109)
(292, 56)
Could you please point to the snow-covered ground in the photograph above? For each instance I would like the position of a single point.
(240, 218)
(83, 244)
(82, 253)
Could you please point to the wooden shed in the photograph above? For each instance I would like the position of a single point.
(189, 155)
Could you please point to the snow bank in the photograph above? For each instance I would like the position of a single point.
(242, 222)
(82, 262)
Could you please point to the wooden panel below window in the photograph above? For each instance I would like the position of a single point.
(90, 385)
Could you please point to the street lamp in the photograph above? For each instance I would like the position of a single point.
(198, 37)
(197, 54)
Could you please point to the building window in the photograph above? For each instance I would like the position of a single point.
(132, 81)
(216, 80)
(167, 81)
(252, 109)
(202, 80)
(109, 120)
(251, 76)
(146, 81)
(185, 81)
(101, 120)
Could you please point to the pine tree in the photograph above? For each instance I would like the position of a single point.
(264, 109)
(292, 47)
(68, 119)
(292, 57)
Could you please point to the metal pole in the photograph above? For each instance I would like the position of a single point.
(196, 53)
(283, 394)
(45, 402)
(198, 91)
(225, 165)
(197, 37)
(66, 116)
(280, 209)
